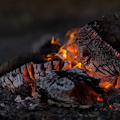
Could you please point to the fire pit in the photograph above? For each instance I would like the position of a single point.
(82, 75)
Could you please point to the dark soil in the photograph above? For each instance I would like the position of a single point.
(30, 109)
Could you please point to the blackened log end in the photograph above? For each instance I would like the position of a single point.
(109, 29)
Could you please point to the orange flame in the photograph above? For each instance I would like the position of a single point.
(62, 53)
(72, 34)
(53, 41)
(69, 54)
(78, 65)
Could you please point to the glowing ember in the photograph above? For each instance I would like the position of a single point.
(105, 84)
(100, 99)
(110, 106)
(117, 54)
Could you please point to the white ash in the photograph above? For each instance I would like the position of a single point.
(59, 85)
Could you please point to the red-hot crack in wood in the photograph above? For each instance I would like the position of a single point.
(60, 75)
(98, 57)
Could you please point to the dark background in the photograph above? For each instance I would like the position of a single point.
(23, 22)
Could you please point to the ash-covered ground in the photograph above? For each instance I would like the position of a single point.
(15, 107)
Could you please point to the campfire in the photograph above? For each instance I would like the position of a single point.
(84, 72)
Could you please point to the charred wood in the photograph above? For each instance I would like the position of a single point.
(97, 56)
(71, 87)
(18, 61)
(24, 76)
(108, 28)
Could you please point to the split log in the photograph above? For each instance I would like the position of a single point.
(21, 80)
(96, 55)
(20, 60)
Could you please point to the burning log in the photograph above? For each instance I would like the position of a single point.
(21, 80)
(70, 88)
(97, 56)
(59, 76)
(95, 52)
